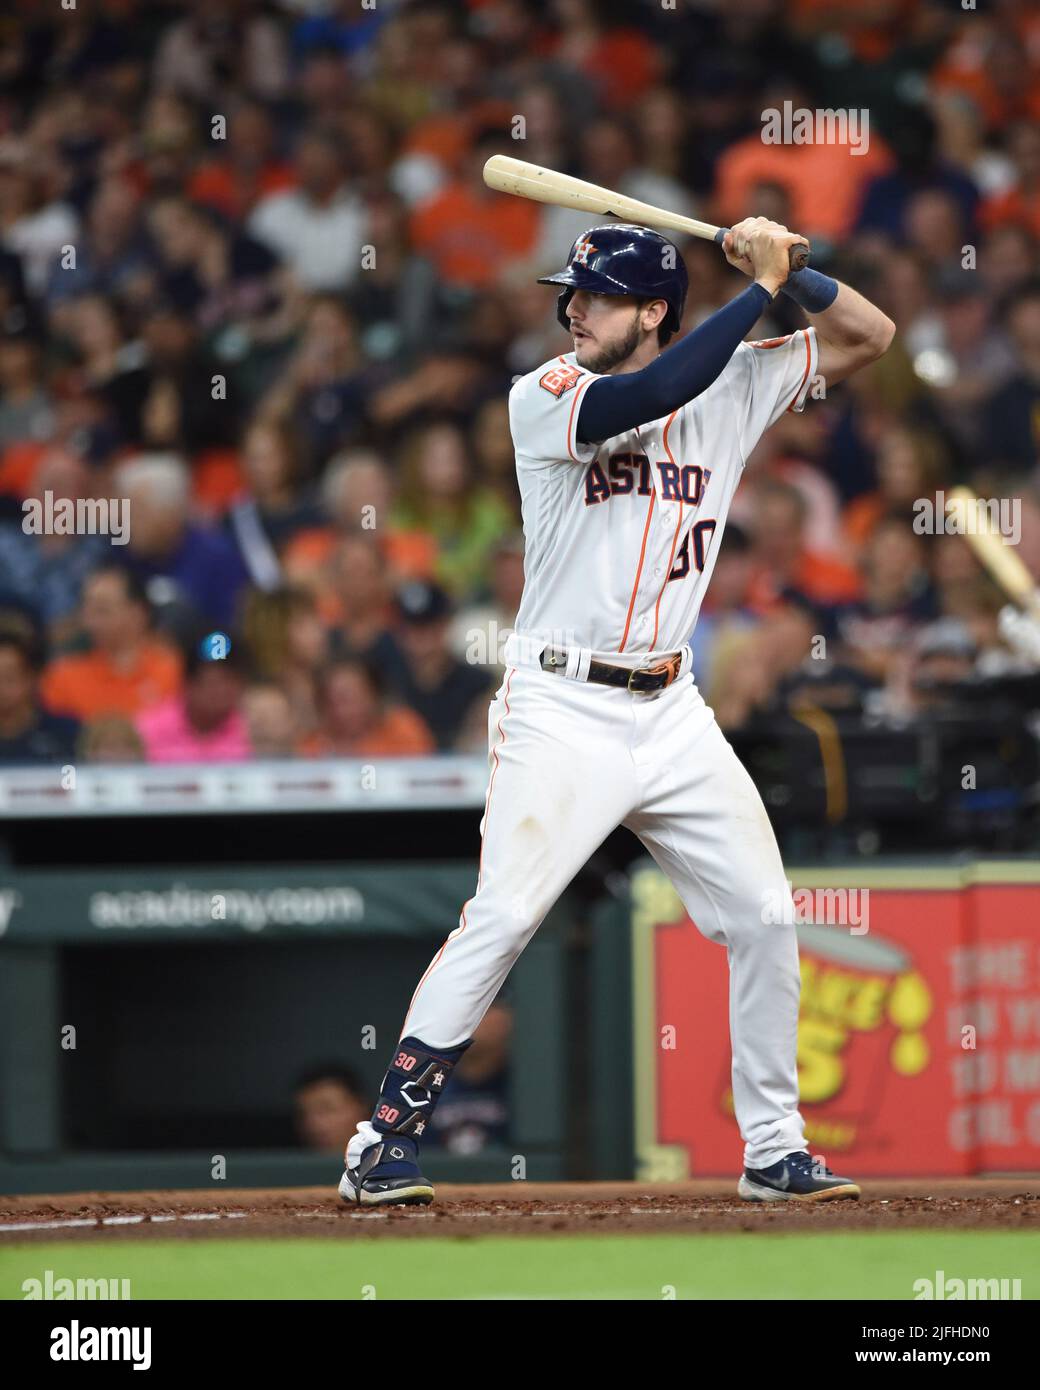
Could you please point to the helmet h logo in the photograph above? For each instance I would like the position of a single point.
(582, 251)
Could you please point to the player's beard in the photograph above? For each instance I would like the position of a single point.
(610, 357)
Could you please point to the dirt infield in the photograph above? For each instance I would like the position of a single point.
(982, 1204)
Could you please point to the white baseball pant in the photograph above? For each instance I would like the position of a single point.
(569, 762)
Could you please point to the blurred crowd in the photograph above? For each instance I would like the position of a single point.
(251, 281)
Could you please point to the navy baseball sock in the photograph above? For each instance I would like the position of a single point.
(412, 1086)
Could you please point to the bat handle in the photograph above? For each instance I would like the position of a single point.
(798, 255)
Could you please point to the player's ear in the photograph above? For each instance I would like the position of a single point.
(652, 314)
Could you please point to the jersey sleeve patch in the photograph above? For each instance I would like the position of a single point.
(772, 342)
(557, 380)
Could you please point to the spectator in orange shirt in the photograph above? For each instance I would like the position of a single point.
(802, 170)
(357, 495)
(470, 233)
(595, 40)
(358, 722)
(991, 63)
(782, 560)
(126, 669)
(247, 172)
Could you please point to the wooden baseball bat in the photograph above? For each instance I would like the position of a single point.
(1002, 561)
(543, 185)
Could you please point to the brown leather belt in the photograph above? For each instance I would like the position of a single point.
(640, 680)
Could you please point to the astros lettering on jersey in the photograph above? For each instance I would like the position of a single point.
(622, 536)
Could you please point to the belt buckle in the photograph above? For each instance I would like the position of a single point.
(670, 666)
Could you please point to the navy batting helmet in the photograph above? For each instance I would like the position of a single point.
(621, 258)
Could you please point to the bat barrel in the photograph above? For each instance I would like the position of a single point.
(541, 185)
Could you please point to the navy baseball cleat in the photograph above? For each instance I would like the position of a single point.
(386, 1173)
(797, 1178)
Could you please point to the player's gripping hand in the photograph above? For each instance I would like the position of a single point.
(761, 249)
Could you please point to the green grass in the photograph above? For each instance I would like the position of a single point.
(832, 1266)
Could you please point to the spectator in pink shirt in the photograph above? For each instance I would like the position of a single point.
(205, 723)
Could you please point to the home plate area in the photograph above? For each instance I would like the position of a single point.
(1009, 1204)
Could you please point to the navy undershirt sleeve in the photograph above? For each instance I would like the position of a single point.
(614, 404)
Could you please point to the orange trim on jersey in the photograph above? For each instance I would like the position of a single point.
(675, 536)
(639, 568)
(582, 387)
(480, 863)
(808, 364)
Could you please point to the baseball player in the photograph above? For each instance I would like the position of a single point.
(627, 459)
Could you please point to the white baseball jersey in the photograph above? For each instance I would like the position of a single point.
(621, 537)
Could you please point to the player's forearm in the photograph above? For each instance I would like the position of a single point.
(850, 331)
(614, 404)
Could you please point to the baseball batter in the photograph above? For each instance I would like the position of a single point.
(628, 458)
